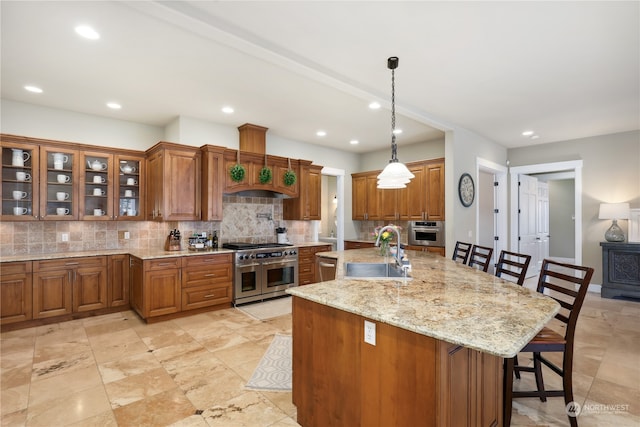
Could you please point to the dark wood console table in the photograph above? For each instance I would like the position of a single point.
(620, 270)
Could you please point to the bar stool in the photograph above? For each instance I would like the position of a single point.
(513, 264)
(461, 252)
(568, 284)
(481, 257)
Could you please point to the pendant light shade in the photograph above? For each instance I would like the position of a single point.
(395, 174)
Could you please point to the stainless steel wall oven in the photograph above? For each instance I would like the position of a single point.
(426, 233)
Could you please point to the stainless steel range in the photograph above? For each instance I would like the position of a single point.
(263, 271)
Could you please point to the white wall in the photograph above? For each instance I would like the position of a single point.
(462, 150)
(18, 118)
(377, 160)
(610, 173)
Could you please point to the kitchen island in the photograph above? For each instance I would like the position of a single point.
(440, 338)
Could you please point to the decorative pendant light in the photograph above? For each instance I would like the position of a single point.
(395, 174)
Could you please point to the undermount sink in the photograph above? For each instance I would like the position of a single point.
(372, 270)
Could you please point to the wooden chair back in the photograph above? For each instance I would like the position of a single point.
(567, 284)
(461, 252)
(480, 257)
(514, 265)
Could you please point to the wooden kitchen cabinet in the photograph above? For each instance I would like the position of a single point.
(16, 287)
(59, 179)
(118, 280)
(422, 199)
(307, 205)
(307, 268)
(433, 249)
(21, 176)
(173, 182)
(70, 285)
(405, 379)
(96, 198)
(155, 286)
(357, 244)
(206, 281)
(365, 199)
(213, 178)
(471, 391)
(129, 186)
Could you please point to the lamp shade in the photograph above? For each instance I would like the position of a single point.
(614, 211)
(394, 175)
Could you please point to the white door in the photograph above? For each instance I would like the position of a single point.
(543, 221)
(527, 221)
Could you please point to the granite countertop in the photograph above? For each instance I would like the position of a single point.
(443, 299)
(140, 253)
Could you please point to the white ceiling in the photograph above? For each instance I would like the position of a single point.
(563, 69)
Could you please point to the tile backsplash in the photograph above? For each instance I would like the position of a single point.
(245, 219)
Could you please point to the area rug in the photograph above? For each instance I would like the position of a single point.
(274, 370)
(268, 309)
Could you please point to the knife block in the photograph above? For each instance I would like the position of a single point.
(172, 244)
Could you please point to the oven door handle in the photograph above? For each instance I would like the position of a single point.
(284, 261)
(247, 265)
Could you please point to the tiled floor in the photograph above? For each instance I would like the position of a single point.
(116, 370)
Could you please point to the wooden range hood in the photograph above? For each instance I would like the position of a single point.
(252, 157)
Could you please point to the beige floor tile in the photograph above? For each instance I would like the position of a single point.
(192, 421)
(14, 399)
(10, 419)
(19, 373)
(161, 409)
(221, 387)
(52, 388)
(104, 419)
(127, 366)
(249, 409)
(62, 364)
(70, 408)
(138, 387)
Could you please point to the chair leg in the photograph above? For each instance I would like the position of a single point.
(515, 369)
(567, 384)
(537, 365)
(507, 392)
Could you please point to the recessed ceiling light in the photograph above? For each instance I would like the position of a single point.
(534, 137)
(321, 133)
(114, 105)
(227, 110)
(354, 142)
(33, 89)
(87, 32)
(527, 133)
(397, 131)
(374, 105)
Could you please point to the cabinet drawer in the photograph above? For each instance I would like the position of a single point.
(306, 278)
(203, 276)
(163, 263)
(9, 268)
(202, 260)
(305, 251)
(204, 296)
(306, 268)
(66, 263)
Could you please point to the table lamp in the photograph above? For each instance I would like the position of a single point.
(614, 212)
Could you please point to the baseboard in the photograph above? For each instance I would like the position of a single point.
(594, 287)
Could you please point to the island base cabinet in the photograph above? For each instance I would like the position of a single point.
(469, 387)
(405, 379)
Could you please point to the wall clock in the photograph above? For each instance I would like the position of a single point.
(466, 190)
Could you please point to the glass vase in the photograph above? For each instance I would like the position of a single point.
(384, 248)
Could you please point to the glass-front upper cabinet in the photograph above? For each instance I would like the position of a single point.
(129, 188)
(59, 180)
(96, 186)
(19, 172)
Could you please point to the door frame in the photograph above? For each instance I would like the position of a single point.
(572, 165)
(500, 228)
(339, 174)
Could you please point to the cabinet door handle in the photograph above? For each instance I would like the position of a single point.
(209, 296)
(326, 264)
(210, 275)
(71, 263)
(69, 275)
